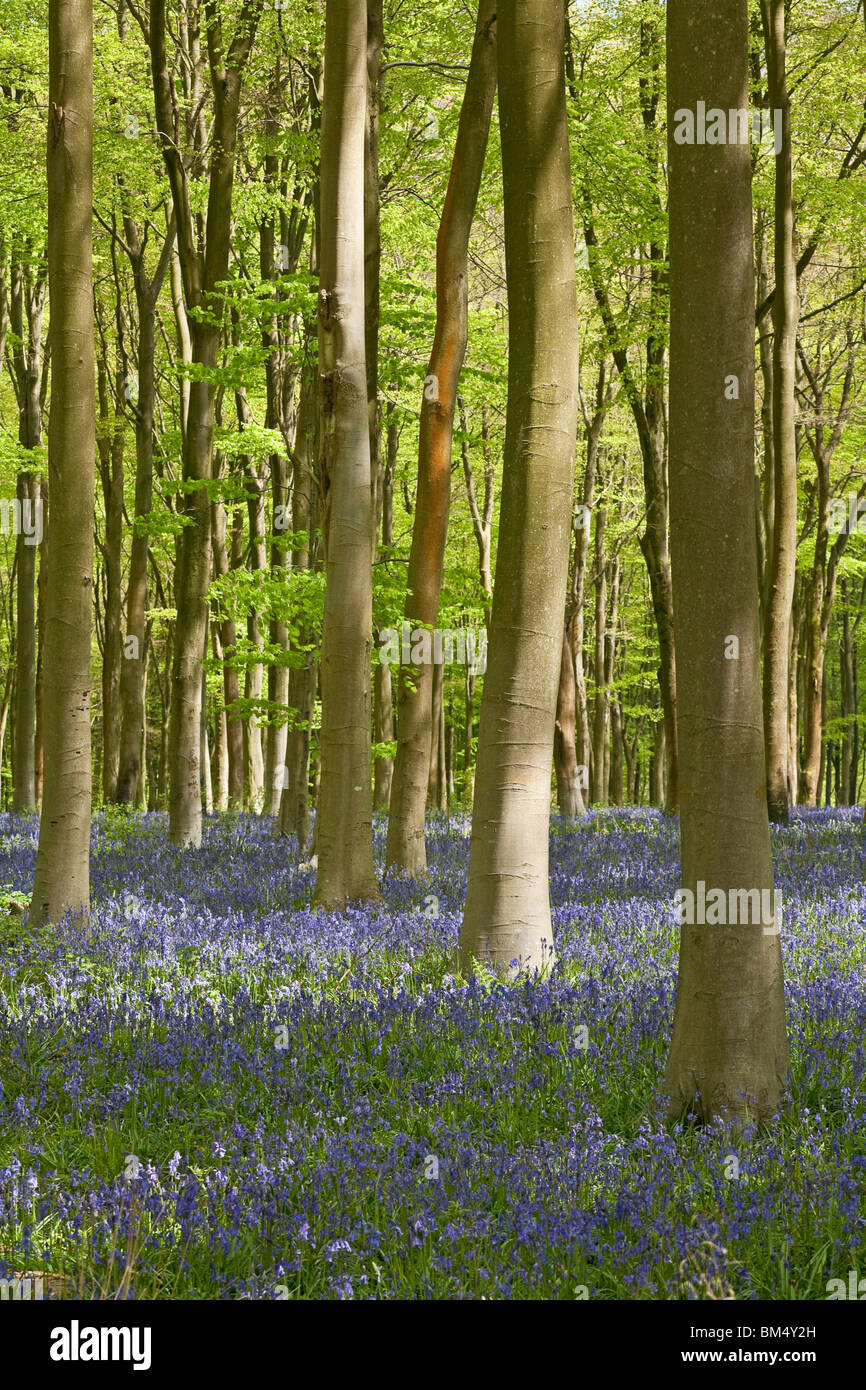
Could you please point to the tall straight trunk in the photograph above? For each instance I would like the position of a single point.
(794, 694)
(254, 675)
(786, 311)
(849, 707)
(220, 776)
(26, 309)
(61, 880)
(202, 271)
(593, 424)
(206, 780)
(609, 669)
(765, 505)
(132, 669)
(729, 1051)
(568, 789)
(405, 847)
(344, 827)
(821, 586)
(601, 711)
(468, 733)
(657, 766)
(295, 802)
(41, 590)
(617, 744)
(231, 685)
(111, 447)
(383, 713)
(507, 916)
(437, 694)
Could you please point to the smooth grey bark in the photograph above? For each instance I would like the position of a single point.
(786, 312)
(344, 828)
(506, 922)
(61, 882)
(729, 1051)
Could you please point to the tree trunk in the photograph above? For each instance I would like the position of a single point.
(507, 915)
(729, 1052)
(61, 881)
(26, 309)
(203, 270)
(569, 795)
(405, 847)
(231, 685)
(344, 828)
(601, 712)
(133, 713)
(294, 805)
(110, 444)
(786, 310)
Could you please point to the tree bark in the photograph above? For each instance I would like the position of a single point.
(786, 312)
(569, 794)
(26, 309)
(506, 921)
(132, 670)
(729, 1052)
(405, 847)
(344, 829)
(61, 881)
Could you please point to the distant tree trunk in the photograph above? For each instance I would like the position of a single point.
(344, 825)
(26, 309)
(657, 766)
(786, 310)
(405, 847)
(203, 271)
(221, 752)
(383, 710)
(821, 588)
(61, 880)
(110, 445)
(469, 730)
(729, 1052)
(295, 802)
(616, 755)
(601, 713)
(254, 675)
(133, 714)
(593, 425)
(849, 707)
(231, 685)
(507, 915)
(569, 795)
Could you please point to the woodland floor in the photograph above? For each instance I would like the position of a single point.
(316, 1106)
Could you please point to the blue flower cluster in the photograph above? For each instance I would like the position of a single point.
(222, 1093)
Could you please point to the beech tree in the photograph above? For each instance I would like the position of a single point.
(344, 833)
(783, 451)
(415, 724)
(729, 1052)
(61, 881)
(507, 915)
